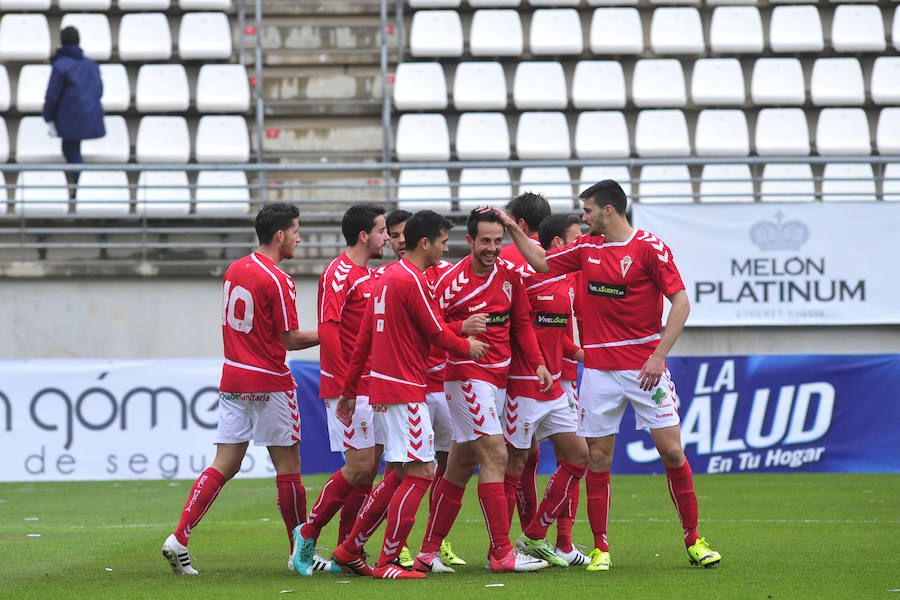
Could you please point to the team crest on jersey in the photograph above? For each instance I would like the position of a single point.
(365, 429)
(625, 263)
(507, 290)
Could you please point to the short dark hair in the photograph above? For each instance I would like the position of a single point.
(359, 217)
(273, 218)
(555, 226)
(69, 36)
(396, 216)
(424, 224)
(531, 207)
(476, 217)
(607, 192)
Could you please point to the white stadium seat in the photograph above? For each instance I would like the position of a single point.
(424, 189)
(24, 38)
(885, 86)
(601, 134)
(162, 88)
(114, 147)
(658, 82)
(222, 193)
(857, 28)
(93, 32)
(4, 148)
(598, 84)
(616, 30)
(71, 5)
(41, 194)
(494, 3)
(222, 139)
(842, 131)
(848, 182)
(722, 132)
(223, 88)
(116, 88)
(717, 82)
(661, 132)
(726, 183)
(163, 194)
(837, 82)
(479, 86)
(496, 33)
(128, 5)
(895, 29)
(540, 85)
(482, 136)
(5, 90)
(483, 187)
(103, 194)
(31, 88)
(612, 2)
(796, 29)
(204, 35)
(34, 144)
(777, 81)
(554, 2)
(736, 29)
(887, 133)
(554, 183)
(890, 187)
(781, 131)
(434, 3)
(591, 175)
(543, 135)
(665, 183)
(676, 30)
(555, 31)
(420, 86)
(13, 5)
(222, 5)
(423, 137)
(162, 140)
(728, 2)
(144, 36)
(436, 33)
(787, 183)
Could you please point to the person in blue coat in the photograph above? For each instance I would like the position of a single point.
(72, 103)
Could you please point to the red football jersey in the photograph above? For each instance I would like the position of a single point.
(259, 304)
(437, 360)
(570, 366)
(623, 284)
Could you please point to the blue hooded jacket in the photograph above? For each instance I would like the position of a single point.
(73, 96)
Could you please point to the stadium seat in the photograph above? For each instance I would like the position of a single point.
(162, 140)
(34, 144)
(436, 33)
(162, 88)
(163, 194)
(24, 37)
(223, 88)
(481, 187)
(422, 137)
(555, 31)
(4, 148)
(71, 5)
(93, 32)
(612, 2)
(665, 184)
(661, 132)
(726, 183)
(796, 29)
(717, 82)
(116, 88)
(554, 183)
(420, 86)
(736, 29)
(601, 134)
(103, 194)
(777, 81)
(434, 3)
(144, 36)
(857, 28)
(887, 133)
(5, 90)
(842, 131)
(729, 2)
(41, 194)
(114, 147)
(424, 189)
(837, 82)
(222, 139)
(482, 136)
(129, 5)
(229, 194)
(890, 187)
(591, 175)
(494, 3)
(787, 183)
(554, 2)
(616, 30)
(895, 29)
(676, 30)
(848, 182)
(781, 131)
(479, 86)
(658, 82)
(598, 84)
(722, 132)
(885, 85)
(496, 33)
(222, 5)
(13, 5)
(32, 87)
(204, 35)
(540, 85)
(543, 135)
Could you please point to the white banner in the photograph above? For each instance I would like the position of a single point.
(783, 264)
(112, 419)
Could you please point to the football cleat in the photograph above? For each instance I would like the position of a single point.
(600, 560)
(701, 554)
(575, 558)
(352, 564)
(303, 553)
(178, 556)
(448, 556)
(515, 562)
(431, 562)
(393, 570)
(405, 558)
(540, 549)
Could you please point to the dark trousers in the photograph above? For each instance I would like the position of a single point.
(72, 151)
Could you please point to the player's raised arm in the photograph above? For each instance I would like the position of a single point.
(531, 252)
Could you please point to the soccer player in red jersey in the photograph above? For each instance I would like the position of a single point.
(344, 290)
(257, 394)
(482, 282)
(626, 273)
(402, 320)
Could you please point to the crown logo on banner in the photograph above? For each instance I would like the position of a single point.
(775, 235)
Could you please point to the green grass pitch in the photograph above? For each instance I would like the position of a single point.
(781, 536)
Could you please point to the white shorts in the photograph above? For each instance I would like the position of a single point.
(570, 387)
(526, 419)
(407, 431)
(362, 432)
(440, 420)
(475, 408)
(604, 394)
(267, 418)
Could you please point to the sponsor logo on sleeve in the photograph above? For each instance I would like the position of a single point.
(607, 290)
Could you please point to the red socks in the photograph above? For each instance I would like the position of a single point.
(333, 494)
(681, 488)
(526, 499)
(566, 519)
(372, 513)
(350, 510)
(401, 515)
(511, 489)
(444, 509)
(597, 485)
(203, 492)
(291, 501)
(438, 475)
(492, 498)
(559, 487)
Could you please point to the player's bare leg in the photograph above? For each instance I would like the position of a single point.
(597, 484)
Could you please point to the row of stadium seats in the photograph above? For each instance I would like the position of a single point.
(219, 88)
(159, 139)
(673, 30)
(141, 36)
(123, 5)
(577, 3)
(655, 82)
(656, 133)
